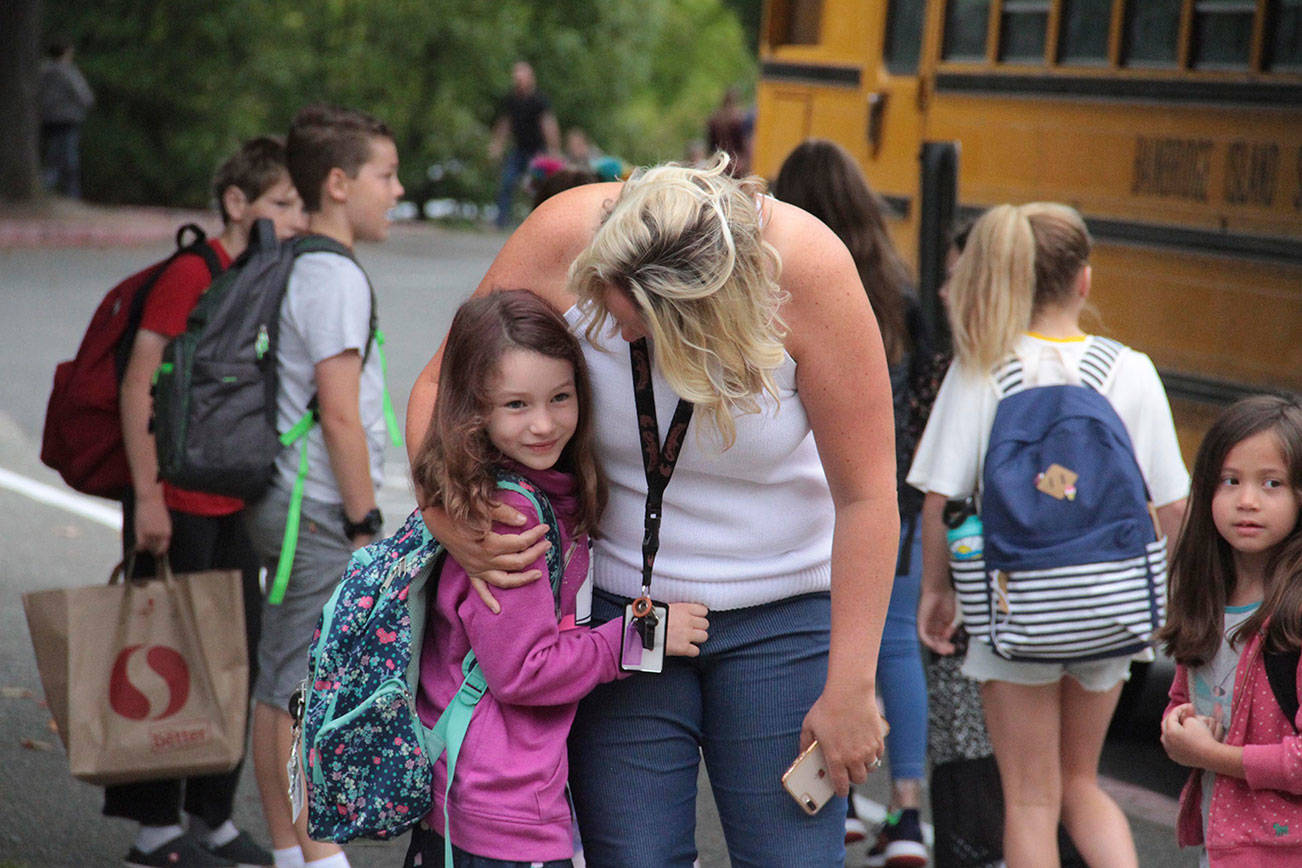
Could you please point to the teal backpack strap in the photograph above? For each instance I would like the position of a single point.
(555, 557)
(450, 730)
(289, 544)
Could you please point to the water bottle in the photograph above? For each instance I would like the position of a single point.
(963, 531)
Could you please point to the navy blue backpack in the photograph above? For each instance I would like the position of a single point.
(1074, 562)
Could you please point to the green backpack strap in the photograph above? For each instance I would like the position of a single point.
(450, 730)
(298, 433)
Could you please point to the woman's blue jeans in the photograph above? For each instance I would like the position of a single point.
(636, 745)
(900, 677)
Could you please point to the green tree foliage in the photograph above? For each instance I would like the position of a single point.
(180, 83)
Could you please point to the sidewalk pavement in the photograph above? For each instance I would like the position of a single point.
(57, 222)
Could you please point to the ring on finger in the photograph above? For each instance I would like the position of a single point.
(876, 763)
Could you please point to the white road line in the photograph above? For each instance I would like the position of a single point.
(86, 507)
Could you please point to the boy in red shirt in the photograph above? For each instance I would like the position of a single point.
(197, 531)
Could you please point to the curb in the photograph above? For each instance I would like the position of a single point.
(77, 225)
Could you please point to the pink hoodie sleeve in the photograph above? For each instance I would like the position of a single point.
(525, 657)
(1179, 692)
(1276, 766)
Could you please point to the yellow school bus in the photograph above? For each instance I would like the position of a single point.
(1173, 126)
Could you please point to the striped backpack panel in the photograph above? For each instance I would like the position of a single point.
(1074, 566)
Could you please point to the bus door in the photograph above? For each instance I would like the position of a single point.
(888, 144)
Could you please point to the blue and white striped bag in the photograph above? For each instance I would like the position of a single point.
(1074, 564)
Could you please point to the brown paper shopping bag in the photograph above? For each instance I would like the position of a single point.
(145, 678)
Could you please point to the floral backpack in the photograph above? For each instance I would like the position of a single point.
(367, 758)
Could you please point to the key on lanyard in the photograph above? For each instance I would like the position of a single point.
(645, 620)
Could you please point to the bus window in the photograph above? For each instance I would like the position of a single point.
(1286, 48)
(904, 19)
(1083, 32)
(1223, 33)
(795, 22)
(1152, 32)
(966, 27)
(1021, 30)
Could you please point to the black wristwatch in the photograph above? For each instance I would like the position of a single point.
(369, 525)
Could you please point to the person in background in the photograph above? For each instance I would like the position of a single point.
(197, 531)
(1019, 289)
(1234, 628)
(345, 165)
(524, 116)
(727, 130)
(822, 178)
(65, 99)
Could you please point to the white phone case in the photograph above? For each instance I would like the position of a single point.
(807, 780)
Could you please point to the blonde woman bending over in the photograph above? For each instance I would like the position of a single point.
(1019, 289)
(779, 515)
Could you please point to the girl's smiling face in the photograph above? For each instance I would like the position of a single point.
(1255, 507)
(534, 408)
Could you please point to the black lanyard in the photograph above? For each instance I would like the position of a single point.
(658, 461)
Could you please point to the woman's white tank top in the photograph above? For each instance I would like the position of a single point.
(741, 527)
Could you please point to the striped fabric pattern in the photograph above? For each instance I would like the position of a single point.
(1069, 613)
(1075, 612)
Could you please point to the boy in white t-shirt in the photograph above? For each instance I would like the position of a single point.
(344, 164)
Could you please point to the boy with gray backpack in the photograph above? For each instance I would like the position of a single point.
(344, 163)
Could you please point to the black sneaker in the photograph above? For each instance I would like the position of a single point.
(183, 851)
(899, 842)
(243, 851)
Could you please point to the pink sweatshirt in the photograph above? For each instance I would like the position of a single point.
(508, 800)
(1257, 820)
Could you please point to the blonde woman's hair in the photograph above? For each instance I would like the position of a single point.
(1018, 260)
(685, 246)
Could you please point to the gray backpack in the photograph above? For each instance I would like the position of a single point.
(215, 391)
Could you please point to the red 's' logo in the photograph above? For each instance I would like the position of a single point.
(152, 685)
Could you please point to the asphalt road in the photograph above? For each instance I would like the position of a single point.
(420, 275)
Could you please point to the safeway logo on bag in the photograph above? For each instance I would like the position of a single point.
(149, 682)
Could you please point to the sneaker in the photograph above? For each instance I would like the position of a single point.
(855, 830)
(243, 851)
(899, 842)
(183, 851)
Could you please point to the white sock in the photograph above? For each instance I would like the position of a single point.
(338, 860)
(150, 838)
(290, 857)
(219, 837)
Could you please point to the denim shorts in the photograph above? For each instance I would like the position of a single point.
(983, 664)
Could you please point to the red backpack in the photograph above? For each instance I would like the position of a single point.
(83, 429)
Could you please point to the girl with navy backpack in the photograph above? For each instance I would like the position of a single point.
(514, 395)
(1234, 630)
(1016, 296)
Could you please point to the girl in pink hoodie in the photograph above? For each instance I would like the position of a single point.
(513, 393)
(1236, 597)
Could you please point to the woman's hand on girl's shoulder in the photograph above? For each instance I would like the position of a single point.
(686, 629)
(497, 559)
